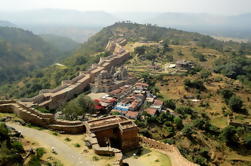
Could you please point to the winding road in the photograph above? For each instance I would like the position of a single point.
(72, 157)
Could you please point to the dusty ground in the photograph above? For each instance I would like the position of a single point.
(149, 157)
(65, 153)
(96, 95)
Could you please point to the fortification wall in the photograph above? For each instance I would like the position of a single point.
(166, 148)
(70, 129)
(53, 98)
(35, 117)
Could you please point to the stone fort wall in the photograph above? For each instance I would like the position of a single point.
(53, 98)
(45, 120)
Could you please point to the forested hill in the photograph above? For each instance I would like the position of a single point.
(61, 43)
(52, 76)
(21, 51)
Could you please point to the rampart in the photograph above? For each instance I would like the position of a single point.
(53, 98)
(33, 116)
(166, 148)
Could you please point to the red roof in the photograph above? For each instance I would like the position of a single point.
(141, 84)
(132, 114)
(151, 111)
(158, 102)
(99, 107)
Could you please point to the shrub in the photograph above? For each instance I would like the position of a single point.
(205, 74)
(229, 136)
(40, 152)
(235, 103)
(178, 122)
(169, 141)
(95, 158)
(77, 145)
(17, 146)
(226, 94)
(169, 104)
(67, 139)
(197, 84)
(184, 110)
(187, 131)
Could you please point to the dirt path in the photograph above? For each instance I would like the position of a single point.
(65, 152)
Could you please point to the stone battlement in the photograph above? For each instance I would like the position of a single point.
(53, 98)
(33, 116)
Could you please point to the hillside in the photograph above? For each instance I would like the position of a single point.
(51, 77)
(61, 43)
(21, 52)
(207, 102)
(6, 24)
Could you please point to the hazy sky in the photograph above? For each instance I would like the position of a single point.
(195, 6)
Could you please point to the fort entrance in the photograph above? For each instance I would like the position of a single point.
(114, 131)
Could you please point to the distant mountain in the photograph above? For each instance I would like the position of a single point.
(79, 25)
(21, 52)
(230, 26)
(59, 17)
(73, 24)
(63, 44)
(76, 33)
(6, 24)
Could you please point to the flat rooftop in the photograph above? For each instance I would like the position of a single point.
(110, 122)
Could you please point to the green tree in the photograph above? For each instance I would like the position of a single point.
(178, 122)
(140, 50)
(229, 135)
(235, 103)
(168, 103)
(187, 131)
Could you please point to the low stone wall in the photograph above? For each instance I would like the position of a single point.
(166, 148)
(70, 129)
(35, 117)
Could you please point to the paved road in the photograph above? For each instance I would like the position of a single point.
(72, 157)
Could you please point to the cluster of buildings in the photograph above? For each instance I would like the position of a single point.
(109, 80)
(128, 100)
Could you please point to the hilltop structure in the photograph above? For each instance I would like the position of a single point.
(115, 131)
(107, 81)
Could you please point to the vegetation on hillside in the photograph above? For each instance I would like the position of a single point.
(10, 148)
(22, 52)
(80, 60)
(63, 44)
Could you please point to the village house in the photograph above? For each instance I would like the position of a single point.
(157, 104)
(105, 103)
(121, 92)
(183, 64)
(132, 115)
(151, 111)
